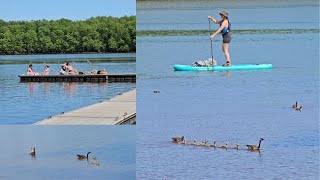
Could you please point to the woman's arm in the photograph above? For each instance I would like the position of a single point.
(214, 20)
(224, 24)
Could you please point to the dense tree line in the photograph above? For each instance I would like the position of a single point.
(98, 34)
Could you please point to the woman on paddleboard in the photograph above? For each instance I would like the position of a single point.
(224, 29)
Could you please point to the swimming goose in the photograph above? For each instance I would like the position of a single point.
(254, 147)
(80, 157)
(204, 143)
(33, 151)
(95, 161)
(236, 147)
(295, 105)
(214, 144)
(299, 108)
(224, 146)
(178, 139)
(194, 142)
(184, 141)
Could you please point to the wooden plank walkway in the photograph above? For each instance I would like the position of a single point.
(120, 109)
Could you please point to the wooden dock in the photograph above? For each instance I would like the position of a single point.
(96, 78)
(118, 110)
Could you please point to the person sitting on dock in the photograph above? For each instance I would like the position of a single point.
(63, 70)
(46, 70)
(71, 70)
(30, 71)
(102, 71)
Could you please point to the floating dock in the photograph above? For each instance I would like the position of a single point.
(118, 110)
(96, 78)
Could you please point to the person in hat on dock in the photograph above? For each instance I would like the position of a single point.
(225, 30)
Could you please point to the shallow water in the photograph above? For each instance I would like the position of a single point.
(57, 147)
(26, 103)
(237, 107)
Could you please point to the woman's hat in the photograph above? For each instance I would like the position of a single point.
(224, 13)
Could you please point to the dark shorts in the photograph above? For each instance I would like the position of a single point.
(226, 37)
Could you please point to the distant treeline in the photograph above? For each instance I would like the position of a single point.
(95, 35)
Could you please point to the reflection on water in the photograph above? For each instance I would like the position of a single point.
(112, 152)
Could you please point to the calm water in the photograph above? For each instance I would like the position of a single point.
(237, 107)
(26, 103)
(57, 147)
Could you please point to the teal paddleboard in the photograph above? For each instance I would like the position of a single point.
(179, 67)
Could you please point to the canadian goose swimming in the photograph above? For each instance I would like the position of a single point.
(177, 139)
(33, 151)
(224, 146)
(236, 147)
(299, 108)
(254, 147)
(295, 105)
(80, 156)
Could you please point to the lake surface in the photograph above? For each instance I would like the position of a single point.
(26, 103)
(237, 107)
(56, 149)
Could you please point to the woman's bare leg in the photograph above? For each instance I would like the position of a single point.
(225, 49)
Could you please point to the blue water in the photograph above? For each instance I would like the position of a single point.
(56, 149)
(237, 107)
(26, 103)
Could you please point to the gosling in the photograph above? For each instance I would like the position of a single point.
(254, 147)
(81, 157)
(236, 147)
(224, 146)
(214, 144)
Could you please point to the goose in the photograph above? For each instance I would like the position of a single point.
(295, 105)
(194, 142)
(184, 141)
(214, 144)
(204, 143)
(254, 147)
(236, 147)
(80, 156)
(299, 108)
(224, 146)
(33, 151)
(95, 161)
(178, 139)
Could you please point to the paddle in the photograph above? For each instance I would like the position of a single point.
(210, 43)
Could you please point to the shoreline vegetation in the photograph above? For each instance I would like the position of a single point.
(101, 34)
(205, 32)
